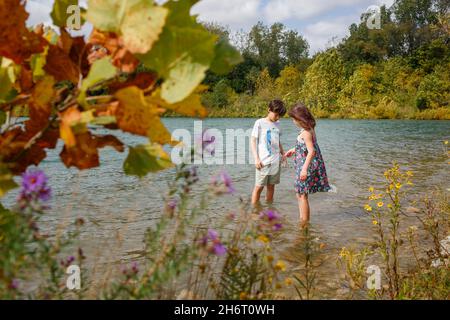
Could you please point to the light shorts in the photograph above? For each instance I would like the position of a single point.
(268, 175)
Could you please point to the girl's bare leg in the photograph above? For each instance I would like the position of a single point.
(303, 206)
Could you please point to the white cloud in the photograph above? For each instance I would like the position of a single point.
(39, 11)
(326, 33)
(318, 20)
(237, 14)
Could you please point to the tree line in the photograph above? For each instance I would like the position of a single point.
(398, 71)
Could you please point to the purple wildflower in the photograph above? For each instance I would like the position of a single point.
(14, 285)
(216, 246)
(172, 204)
(277, 227)
(270, 215)
(219, 249)
(224, 179)
(212, 234)
(34, 187)
(134, 267)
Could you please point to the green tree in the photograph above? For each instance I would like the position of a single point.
(289, 84)
(323, 81)
(434, 90)
(275, 47)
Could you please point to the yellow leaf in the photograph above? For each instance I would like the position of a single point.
(137, 115)
(191, 106)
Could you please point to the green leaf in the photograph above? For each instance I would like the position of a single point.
(103, 14)
(144, 159)
(139, 22)
(37, 64)
(182, 54)
(226, 57)
(6, 180)
(101, 70)
(7, 79)
(2, 117)
(59, 13)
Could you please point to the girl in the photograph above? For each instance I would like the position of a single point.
(311, 175)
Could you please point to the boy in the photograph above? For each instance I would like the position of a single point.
(267, 151)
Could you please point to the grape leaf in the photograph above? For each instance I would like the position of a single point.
(84, 155)
(59, 65)
(6, 181)
(101, 70)
(16, 41)
(59, 13)
(183, 53)
(226, 57)
(7, 79)
(139, 22)
(136, 115)
(144, 159)
(191, 106)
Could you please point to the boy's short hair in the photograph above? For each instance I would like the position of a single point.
(277, 106)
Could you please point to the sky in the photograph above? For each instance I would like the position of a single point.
(321, 22)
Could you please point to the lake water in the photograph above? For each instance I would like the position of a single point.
(119, 208)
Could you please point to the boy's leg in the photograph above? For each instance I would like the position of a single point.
(272, 180)
(257, 194)
(270, 192)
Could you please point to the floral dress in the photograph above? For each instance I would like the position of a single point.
(317, 180)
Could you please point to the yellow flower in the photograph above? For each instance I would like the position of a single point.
(288, 281)
(446, 142)
(374, 222)
(280, 266)
(409, 173)
(371, 189)
(380, 204)
(263, 239)
(391, 186)
(368, 208)
(389, 206)
(398, 185)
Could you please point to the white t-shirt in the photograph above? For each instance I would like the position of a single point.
(268, 135)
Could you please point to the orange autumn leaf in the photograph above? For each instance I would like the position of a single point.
(84, 155)
(40, 105)
(69, 117)
(113, 44)
(76, 49)
(136, 115)
(13, 151)
(191, 106)
(24, 81)
(16, 41)
(142, 80)
(60, 65)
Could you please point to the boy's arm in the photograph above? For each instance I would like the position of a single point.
(258, 163)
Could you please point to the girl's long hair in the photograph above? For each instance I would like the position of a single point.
(302, 114)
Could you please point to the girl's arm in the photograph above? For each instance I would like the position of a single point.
(308, 138)
(289, 153)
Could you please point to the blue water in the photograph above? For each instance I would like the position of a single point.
(118, 208)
